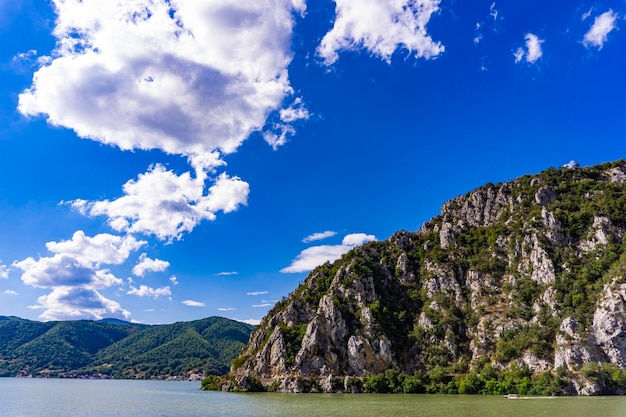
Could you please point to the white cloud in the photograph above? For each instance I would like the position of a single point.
(145, 291)
(571, 165)
(100, 249)
(166, 205)
(11, 292)
(75, 275)
(586, 15)
(319, 236)
(147, 264)
(255, 293)
(381, 27)
(296, 111)
(262, 305)
(64, 270)
(284, 128)
(478, 36)
(192, 303)
(4, 271)
(226, 273)
(533, 49)
(226, 309)
(25, 56)
(185, 77)
(356, 239)
(253, 322)
(314, 256)
(65, 303)
(493, 12)
(598, 33)
(174, 280)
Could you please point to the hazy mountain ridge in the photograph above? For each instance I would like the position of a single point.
(514, 287)
(119, 349)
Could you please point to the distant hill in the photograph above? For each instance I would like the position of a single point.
(115, 321)
(119, 349)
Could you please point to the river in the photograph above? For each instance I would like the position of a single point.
(24, 397)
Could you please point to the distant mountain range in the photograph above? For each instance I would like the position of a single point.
(118, 349)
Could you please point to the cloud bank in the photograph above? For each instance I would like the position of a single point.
(189, 78)
(75, 276)
(185, 77)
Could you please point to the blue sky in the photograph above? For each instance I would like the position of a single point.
(173, 160)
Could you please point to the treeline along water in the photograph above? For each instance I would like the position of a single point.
(23, 397)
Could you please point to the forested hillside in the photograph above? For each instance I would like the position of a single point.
(118, 349)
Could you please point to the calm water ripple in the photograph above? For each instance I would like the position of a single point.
(105, 398)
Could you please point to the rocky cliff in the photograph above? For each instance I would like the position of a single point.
(512, 287)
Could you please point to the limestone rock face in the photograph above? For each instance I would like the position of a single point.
(482, 207)
(528, 274)
(617, 174)
(599, 234)
(574, 348)
(324, 341)
(609, 323)
(545, 195)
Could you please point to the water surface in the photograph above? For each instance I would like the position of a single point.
(104, 398)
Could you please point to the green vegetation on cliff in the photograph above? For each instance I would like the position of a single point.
(525, 279)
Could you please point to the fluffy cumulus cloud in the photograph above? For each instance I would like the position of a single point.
(381, 27)
(65, 302)
(146, 264)
(314, 256)
(166, 205)
(532, 51)
(192, 76)
(100, 249)
(75, 276)
(145, 291)
(598, 33)
(63, 270)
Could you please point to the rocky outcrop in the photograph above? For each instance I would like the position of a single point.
(609, 323)
(529, 274)
(617, 174)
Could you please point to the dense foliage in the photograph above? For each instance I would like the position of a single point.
(119, 349)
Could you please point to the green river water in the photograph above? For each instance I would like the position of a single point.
(103, 398)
